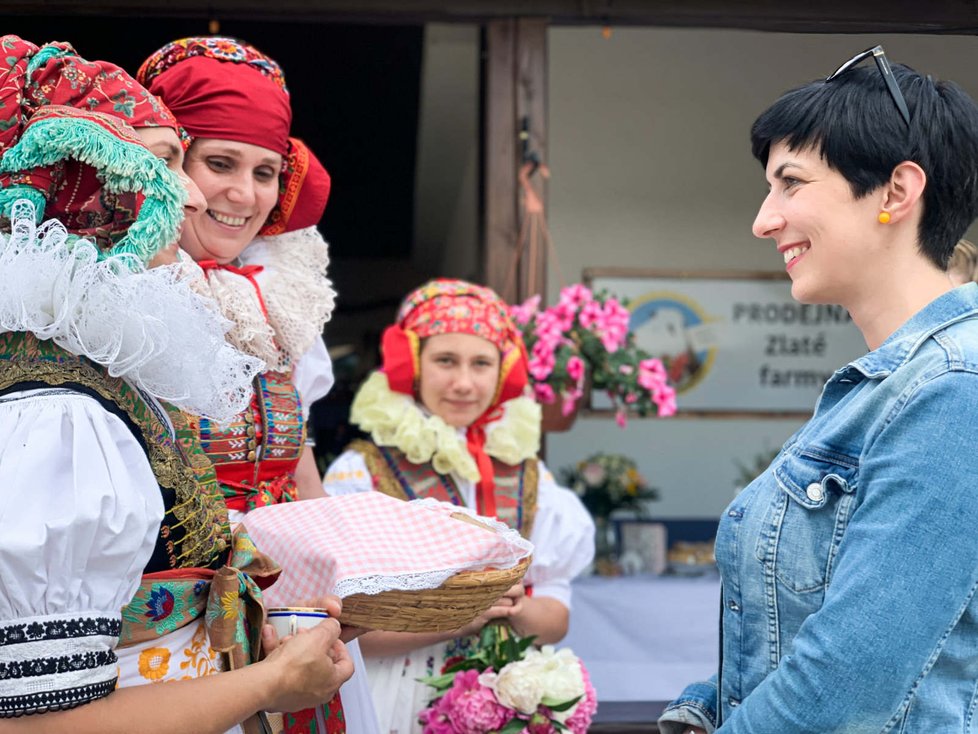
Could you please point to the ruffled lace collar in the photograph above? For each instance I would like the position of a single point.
(395, 419)
(148, 327)
(297, 298)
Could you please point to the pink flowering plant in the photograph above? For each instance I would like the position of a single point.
(507, 686)
(587, 334)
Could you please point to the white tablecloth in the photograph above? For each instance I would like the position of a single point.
(643, 638)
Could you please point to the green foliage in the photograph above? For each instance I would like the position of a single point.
(497, 647)
(607, 482)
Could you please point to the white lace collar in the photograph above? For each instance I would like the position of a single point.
(297, 297)
(146, 326)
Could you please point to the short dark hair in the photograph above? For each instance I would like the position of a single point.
(853, 123)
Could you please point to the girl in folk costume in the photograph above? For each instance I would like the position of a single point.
(104, 494)
(447, 418)
(264, 262)
(262, 257)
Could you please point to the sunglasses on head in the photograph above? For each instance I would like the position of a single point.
(883, 64)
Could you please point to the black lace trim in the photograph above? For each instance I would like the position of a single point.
(39, 703)
(53, 666)
(58, 629)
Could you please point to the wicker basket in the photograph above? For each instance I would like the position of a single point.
(459, 600)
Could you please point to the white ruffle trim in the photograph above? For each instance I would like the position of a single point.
(146, 326)
(297, 295)
(519, 546)
(395, 419)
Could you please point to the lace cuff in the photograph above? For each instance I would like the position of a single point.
(54, 662)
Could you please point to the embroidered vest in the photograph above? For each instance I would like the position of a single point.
(256, 455)
(395, 476)
(194, 531)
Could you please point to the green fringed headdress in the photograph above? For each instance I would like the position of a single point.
(68, 145)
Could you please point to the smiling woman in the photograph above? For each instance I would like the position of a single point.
(261, 255)
(262, 258)
(240, 183)
(112, 539)
(850, 564)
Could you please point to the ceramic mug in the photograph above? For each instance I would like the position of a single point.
(289, 620)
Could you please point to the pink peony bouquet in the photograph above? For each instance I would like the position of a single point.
(507, 686)
(587, 334)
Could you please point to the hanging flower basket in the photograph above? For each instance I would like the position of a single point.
(554, 418)
(586, 338)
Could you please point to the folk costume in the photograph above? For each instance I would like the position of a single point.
(490, 466)
(276, 295)
(112, 531)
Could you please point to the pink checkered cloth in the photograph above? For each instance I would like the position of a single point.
(367, 543)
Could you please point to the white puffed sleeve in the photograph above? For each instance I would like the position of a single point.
(347, 475)
(563, 539)
(79, 513)
(313, 375)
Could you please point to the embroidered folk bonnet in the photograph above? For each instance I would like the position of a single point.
(68, 146)
(226, 89)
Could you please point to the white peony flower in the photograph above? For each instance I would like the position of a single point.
(519, 686)
(560, 673)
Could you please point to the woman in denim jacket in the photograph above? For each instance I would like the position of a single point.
(850, 566)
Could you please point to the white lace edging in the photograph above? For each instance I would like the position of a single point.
(297, 295)
(146, 326)
(519, 548)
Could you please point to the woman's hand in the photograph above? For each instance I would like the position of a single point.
(309, 667)
(333, 606)
(331, 603)
(508, 605)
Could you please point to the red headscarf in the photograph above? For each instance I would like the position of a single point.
(445, 306)
(226, 89)
(67, 139)
(222, 88)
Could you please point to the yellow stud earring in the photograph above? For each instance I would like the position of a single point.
(884, 217)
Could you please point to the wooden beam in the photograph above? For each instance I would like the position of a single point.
(531, 111)
(804, 16)
(501, 219)
(515, 96)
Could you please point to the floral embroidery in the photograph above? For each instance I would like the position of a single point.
(160, 604)
(53, 666)
(154, 663)
(220, 48)
(200, 657)
(160, 607)
(229, 604)
(58, 629)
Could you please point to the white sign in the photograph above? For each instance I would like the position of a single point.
(735, 341)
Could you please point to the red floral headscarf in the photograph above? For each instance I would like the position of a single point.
(445, 306)
(68, 144)
(226, 89)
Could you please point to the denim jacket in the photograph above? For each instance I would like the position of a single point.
(850, 565)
